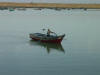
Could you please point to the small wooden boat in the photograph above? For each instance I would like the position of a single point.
(47, 39)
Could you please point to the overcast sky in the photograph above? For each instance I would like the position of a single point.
(54, 1)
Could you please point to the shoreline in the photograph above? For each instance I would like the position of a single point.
(49, 5)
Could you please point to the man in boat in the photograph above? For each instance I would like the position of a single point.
(48, 32)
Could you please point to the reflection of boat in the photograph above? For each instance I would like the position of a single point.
(48, 46)
(48, 39)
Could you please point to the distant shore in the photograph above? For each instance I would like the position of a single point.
(49, 5)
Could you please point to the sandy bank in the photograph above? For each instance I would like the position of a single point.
(49, 5)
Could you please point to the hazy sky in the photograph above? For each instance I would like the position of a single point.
(55, 1)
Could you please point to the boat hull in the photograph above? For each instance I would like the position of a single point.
(46, 39)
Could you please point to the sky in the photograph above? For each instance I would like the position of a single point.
(55, 1)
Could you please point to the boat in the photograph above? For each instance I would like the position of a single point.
(11, 9)
(47, 39)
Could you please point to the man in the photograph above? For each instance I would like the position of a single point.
(48, 32)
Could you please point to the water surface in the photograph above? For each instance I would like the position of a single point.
(78, 54)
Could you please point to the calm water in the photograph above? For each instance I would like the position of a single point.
(79, 53)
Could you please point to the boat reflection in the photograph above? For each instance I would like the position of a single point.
(48, 46)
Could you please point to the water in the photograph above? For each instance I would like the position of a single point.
(78, 54)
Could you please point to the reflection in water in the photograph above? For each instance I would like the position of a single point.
(48, 46)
